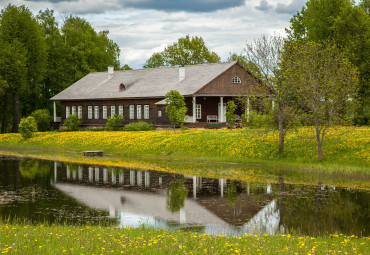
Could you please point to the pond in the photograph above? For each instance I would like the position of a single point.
(55, 192)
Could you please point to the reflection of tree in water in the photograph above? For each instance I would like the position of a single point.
(176, 195)
(231, 193)
(30, 168)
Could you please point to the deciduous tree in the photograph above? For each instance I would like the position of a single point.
(324, 82)
(176, 108)
(186, 51)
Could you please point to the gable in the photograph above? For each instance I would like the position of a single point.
(223, 85)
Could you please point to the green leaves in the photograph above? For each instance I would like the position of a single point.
(176, 108)
(186, 51)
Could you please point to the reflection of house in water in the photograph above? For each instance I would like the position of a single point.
(217, 205)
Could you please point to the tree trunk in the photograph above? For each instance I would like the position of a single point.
(319, 144)
(4, 124)
(281, 136)
(16, 113)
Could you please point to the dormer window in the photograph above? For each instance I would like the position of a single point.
(122, 87)
(236, 79)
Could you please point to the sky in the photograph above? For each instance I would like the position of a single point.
(143, 27)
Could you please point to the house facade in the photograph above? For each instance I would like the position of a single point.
(139, 95)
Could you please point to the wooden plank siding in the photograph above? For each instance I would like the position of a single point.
(153, 111)
(222, 84)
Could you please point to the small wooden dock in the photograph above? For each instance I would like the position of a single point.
(93, 153)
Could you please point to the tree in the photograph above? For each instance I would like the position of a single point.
(265, 55)
(43, 119)
(176, 108)
(324, 82)
(20, 31)
(347, 25)
(114, 122)
(230, 113)
(186, 51)
(73, 122)
(27, 127)
(176, 195)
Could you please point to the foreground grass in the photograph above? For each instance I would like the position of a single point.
(344, 146)
(26, 239)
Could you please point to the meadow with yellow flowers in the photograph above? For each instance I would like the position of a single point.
(343, 146)
(54, 239)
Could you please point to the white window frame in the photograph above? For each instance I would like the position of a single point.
(90, 112)
(112, 110)
(120, 110)
(236, 79)
(198, 111)
(67, 112)
(159, 113)
(132, 111)
(146, 111)
(105, 112)
(73, 110)
(138, 111)
(79, 111)
(96, 112)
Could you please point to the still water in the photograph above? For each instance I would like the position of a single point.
(45, 191)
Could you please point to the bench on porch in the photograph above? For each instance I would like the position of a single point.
(211, 118)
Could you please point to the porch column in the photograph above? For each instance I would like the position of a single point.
(194, 187)
(221, 118)
(55, 111)
(55, 171)
(247, 109)
(194, 104)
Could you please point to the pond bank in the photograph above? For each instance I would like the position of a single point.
(40, 239)
(350, 177)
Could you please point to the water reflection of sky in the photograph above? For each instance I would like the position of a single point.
(134, 198)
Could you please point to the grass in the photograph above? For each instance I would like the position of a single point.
(56, 239)
(344, 147)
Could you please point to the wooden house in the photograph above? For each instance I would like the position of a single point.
(139, 95)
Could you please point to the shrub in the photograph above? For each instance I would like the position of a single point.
(72, 123)
(43, 119)
(27, 127)
(138, 126)
(115, 122)
(230, 113)
(255, 120)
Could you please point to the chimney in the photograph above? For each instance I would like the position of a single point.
(110, 71)
(181, 73)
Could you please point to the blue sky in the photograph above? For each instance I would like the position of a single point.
(142, 27)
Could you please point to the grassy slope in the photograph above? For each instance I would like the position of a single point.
(343, 147)
(25, 239)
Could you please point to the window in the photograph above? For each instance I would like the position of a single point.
(79, 111)
(105, 112)
(67, 112)
(146, 111)
(73, 110)
(198, 111)
(112, 110)
(120, 110)
(159, 113)
(236, 79)
(89, 112)
(138, 111)
(132, 112)
(96, 112)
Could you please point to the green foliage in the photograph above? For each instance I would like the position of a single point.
(230, 113)
(348, 26)
(72, 123)
(138, 126)
(115, 122)
(176, 195)
(27, 127)
(256, 120)
(186, 51)
(31, 168)
(125, 67)
(176, 108)
(43, 119)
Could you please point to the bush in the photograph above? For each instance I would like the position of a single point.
(72, 123)
(138, 126)
(27, 127)
(115, 122)
(256, 120)
(43, 119)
